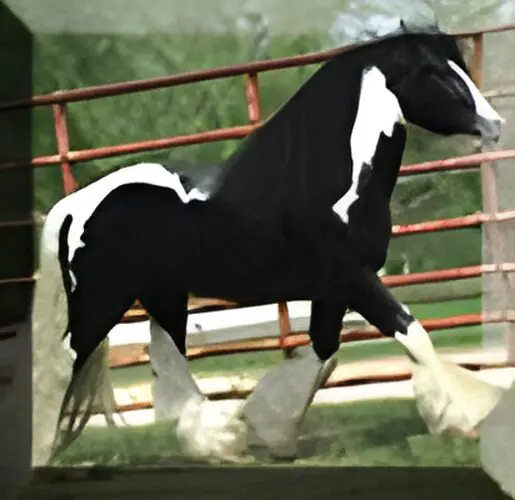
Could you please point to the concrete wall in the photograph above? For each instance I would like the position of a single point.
(15, 406)
(16, 257)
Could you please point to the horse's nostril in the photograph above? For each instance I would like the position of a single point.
(489, 130)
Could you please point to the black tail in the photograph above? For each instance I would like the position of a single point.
(70, 404)
(64, 263)
(88, 375)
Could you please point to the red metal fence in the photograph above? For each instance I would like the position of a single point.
(66, 156)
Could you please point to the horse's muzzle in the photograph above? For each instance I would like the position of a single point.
(489, 130)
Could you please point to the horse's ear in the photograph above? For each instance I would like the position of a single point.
(403, 25)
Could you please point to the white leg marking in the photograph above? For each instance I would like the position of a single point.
(483, 108)
(208, 430)
(448, 397)
(418, 344)
(378, 112)
(278, 404)
(174, 385)
(406, 308)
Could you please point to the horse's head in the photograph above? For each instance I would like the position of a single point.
(427, 73)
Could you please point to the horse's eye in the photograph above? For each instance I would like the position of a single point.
(455, 87)
(459, 90)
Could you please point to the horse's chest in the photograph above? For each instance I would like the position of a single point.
(369, 229)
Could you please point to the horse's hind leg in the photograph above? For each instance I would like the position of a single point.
(277, 406)
(204, 428)
(173, 385)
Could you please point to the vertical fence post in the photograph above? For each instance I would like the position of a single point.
(254, 112)
(284, 329)
(252, 96)
(491, 200)
(476, 65)
(63, 147)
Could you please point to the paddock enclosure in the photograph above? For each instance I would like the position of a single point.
(492, 353)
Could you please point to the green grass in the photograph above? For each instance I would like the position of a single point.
(445, 309)
(379, 433)
(256, 362)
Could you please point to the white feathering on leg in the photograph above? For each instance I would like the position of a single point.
(207, 430)
(449, 397)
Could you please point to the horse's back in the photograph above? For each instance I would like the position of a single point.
(202, 244)
(83, 203)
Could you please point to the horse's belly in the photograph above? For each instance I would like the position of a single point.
(244, 274)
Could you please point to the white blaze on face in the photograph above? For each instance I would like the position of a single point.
(483, 108)
(378, 112)
(82, 204)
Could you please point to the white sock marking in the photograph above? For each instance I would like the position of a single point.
(206, 430)
(378, 112)
(418, 344)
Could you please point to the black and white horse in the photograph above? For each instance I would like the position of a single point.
(299, 212)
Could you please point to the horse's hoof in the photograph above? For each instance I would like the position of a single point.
(277, 406)
(450, 399)
(206, 430)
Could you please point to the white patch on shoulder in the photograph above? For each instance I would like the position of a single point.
(82, 203)
(483, 107)
(378, 112)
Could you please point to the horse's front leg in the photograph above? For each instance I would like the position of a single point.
(277, 406)
(449, 398)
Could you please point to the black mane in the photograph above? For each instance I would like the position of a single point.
(406, 27)
(370, 36)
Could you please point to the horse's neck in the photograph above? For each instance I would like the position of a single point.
(299, 163)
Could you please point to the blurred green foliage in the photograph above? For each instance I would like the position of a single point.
(71, 61)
